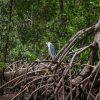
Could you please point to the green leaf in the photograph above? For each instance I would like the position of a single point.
(2, 65)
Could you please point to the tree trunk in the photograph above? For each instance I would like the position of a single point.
(62, 20)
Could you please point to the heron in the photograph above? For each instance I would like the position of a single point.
(51, 50)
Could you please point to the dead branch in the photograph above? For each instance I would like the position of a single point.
(55, 80)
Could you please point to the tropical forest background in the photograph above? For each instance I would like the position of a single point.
(26, 26)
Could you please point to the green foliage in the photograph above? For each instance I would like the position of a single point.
(34, 22)
(2, 65)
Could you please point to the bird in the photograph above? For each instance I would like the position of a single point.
(51, 50)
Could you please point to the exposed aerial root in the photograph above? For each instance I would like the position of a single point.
(59, 79)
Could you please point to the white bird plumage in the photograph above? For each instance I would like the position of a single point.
(51, 50)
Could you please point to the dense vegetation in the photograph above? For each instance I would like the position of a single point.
(30, 74)
(26, 25)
